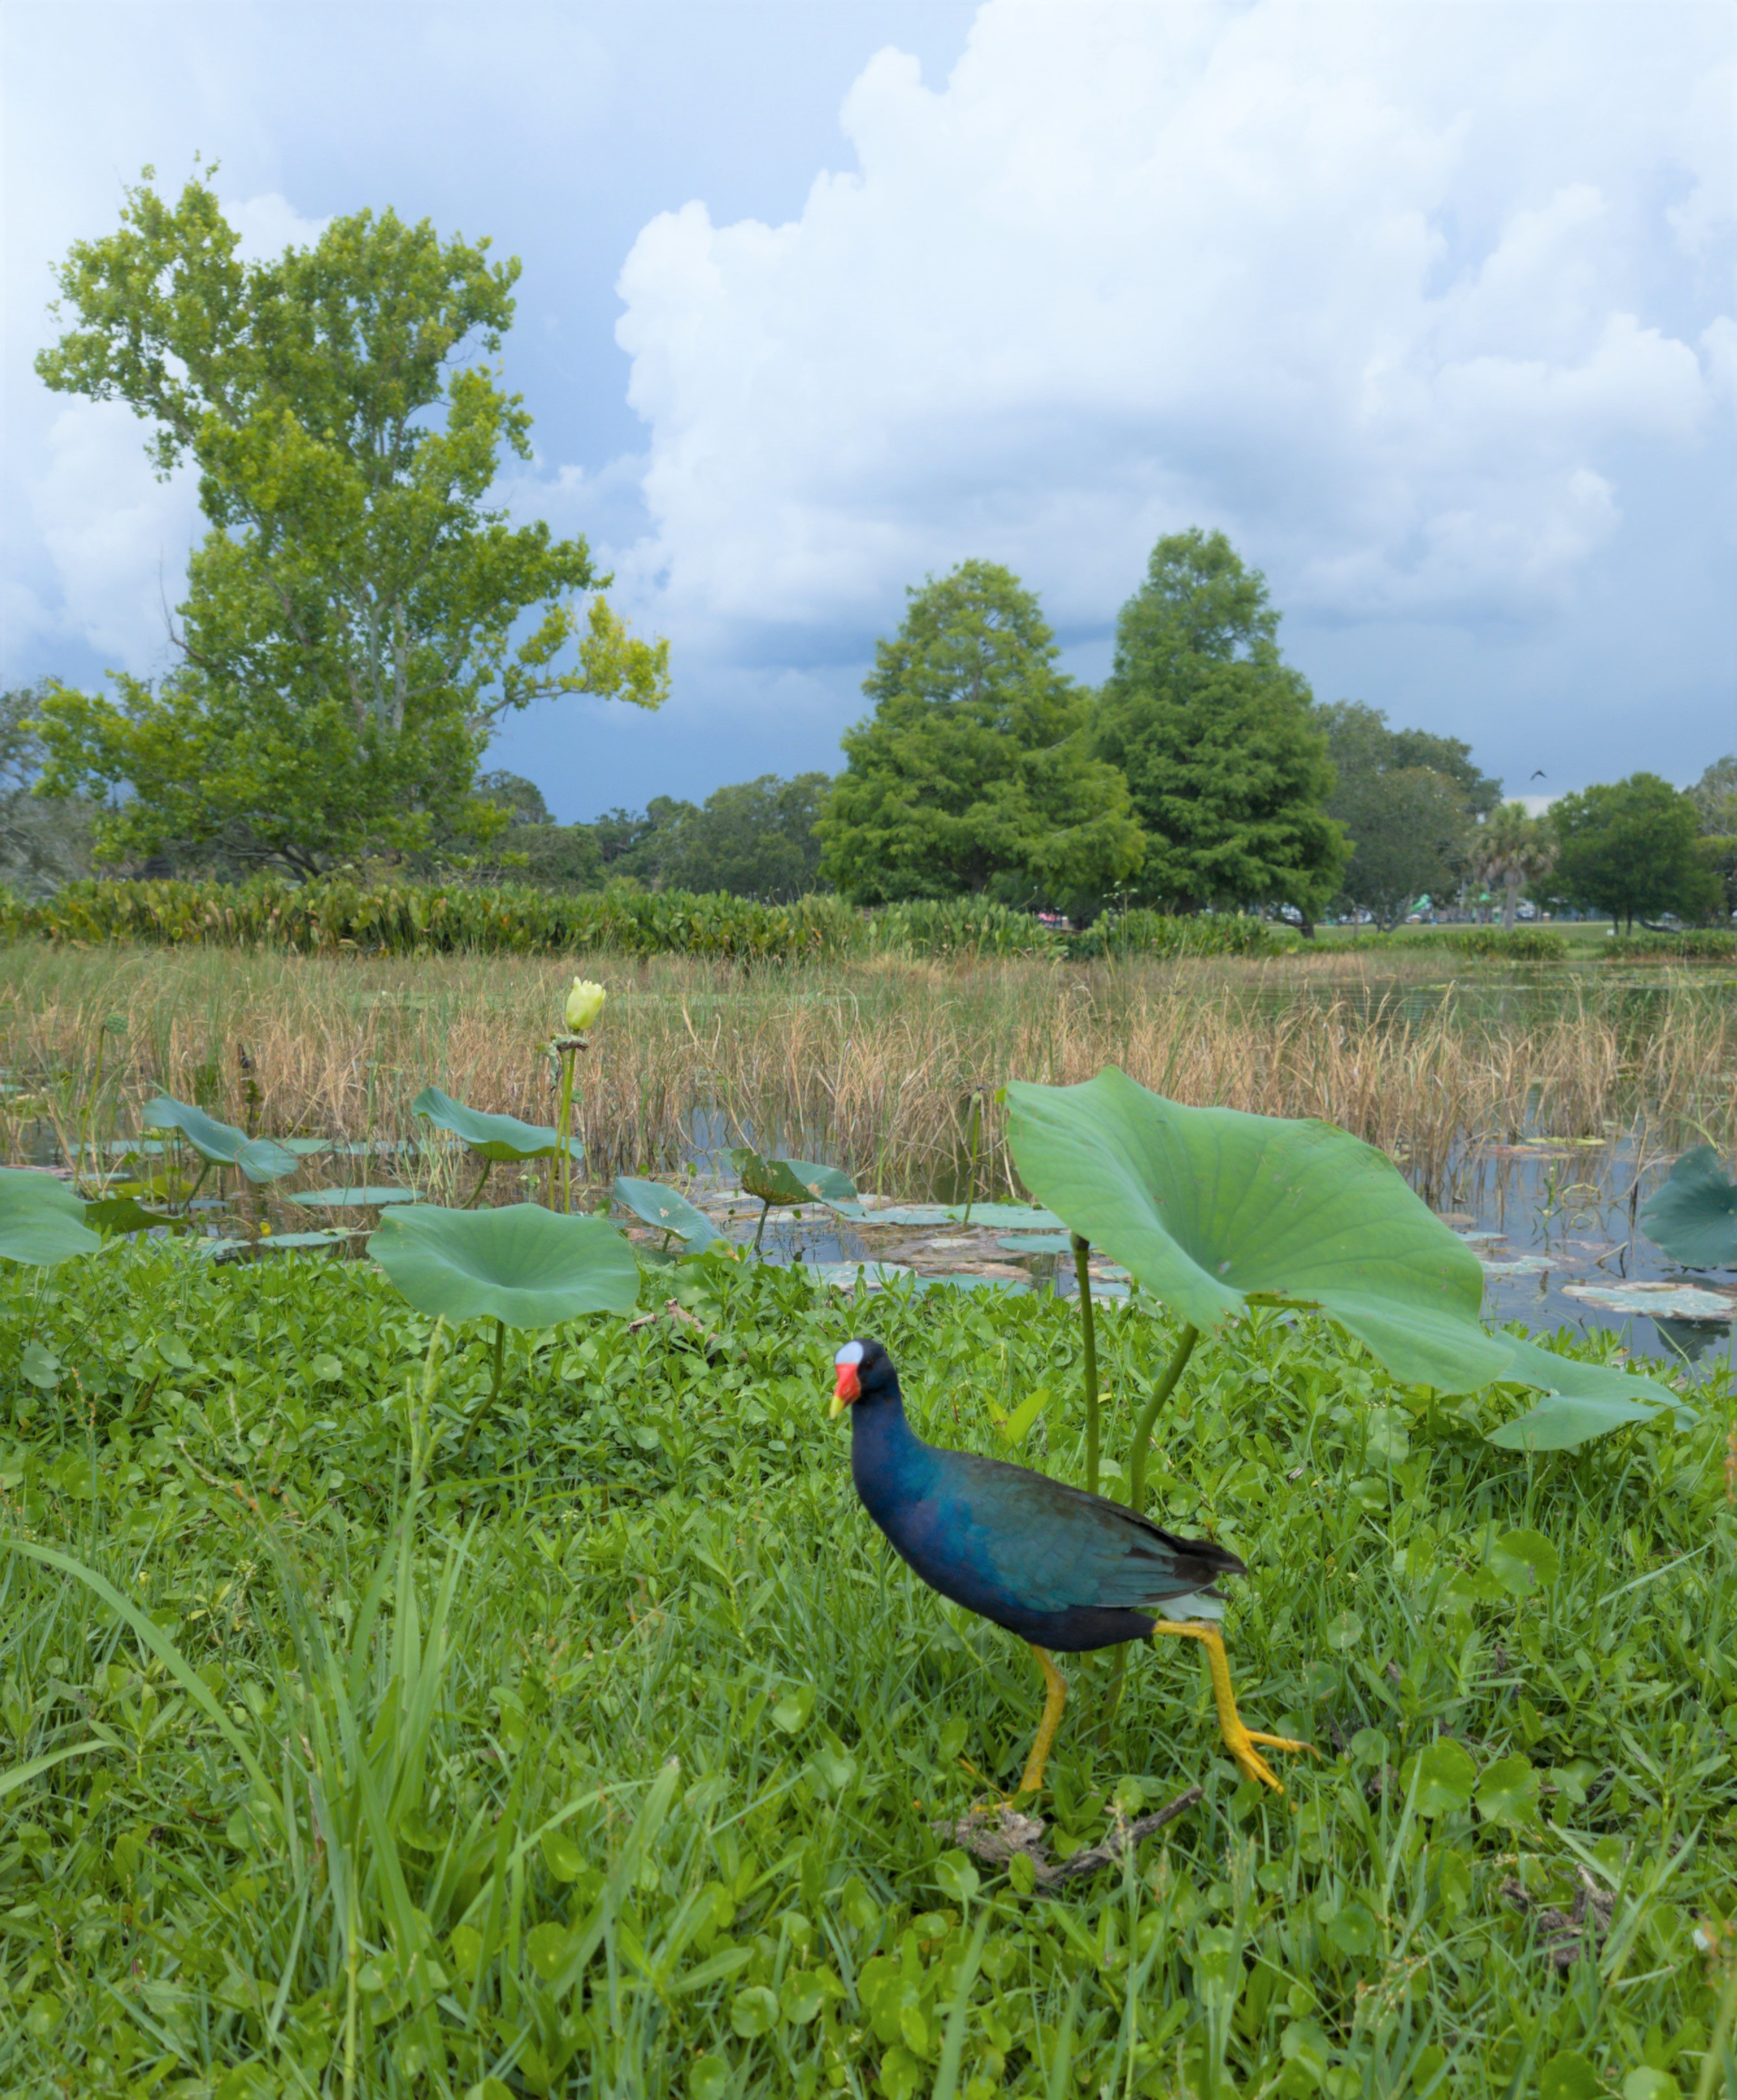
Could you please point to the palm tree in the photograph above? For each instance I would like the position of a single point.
(1510, 847)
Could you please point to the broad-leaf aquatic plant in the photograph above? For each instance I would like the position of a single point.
(1212, 1210)
(493, 1138)
(789, 1182)
(520, 1265)
(42, 1221)
(221, 1144)
(1693, 1216)
(667, 1210)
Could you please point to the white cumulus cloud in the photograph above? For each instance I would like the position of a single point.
(1393, 295)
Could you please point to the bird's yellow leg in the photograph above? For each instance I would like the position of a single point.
(1238, 1739)
(1055, 1697)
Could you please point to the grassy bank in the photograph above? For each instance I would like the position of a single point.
(611, 1763)
(871, 1064)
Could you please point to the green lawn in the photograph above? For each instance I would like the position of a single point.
(611, 1763)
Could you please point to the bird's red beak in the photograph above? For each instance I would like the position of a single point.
(847, 1390)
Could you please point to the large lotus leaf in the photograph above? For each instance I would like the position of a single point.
(1205, 1206)
(502, 1137)
(790, 1181)
(529, 1266)
(42, 1221)
(1694, 1216)
(1585, 1399)
(655, 1205)
(259, 1159)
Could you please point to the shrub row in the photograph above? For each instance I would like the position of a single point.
(336, 916)
(1694, 944)
(1517, 944)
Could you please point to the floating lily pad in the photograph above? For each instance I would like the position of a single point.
(227, 1250)
(337, 1199)
(1694, 1216)
(499, 1137)
(42, 1221)
(655, 1205)
(522, 1264)
(996, 1217)
(1682, 1301)
(847, 1275)
(1521, 1264)
(974, 1280)
(259, 1159)
(1037, 1243)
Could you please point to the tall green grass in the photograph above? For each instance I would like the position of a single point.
(624, 1758)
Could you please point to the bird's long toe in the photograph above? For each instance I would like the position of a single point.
(1240, 1742)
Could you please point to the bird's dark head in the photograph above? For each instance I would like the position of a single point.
(865, 1375)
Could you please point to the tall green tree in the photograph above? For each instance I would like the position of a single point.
(755, 838)
(1714, 795)
(1632, 848)
(358, 617)
(1216, 737)
(974, 774)
(42, 844)
(1407, 800)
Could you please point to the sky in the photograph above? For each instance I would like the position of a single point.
(1430, 307)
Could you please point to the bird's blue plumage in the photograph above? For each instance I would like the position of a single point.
(1062, 1568)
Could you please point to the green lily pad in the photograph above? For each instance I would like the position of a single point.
(1680, 1301)
(847, 1275)
(999, 1217)
(334, 1199)
(655, 1205)
(1694, 1216)
(274, 1243)
(259, 1159)
(522, 1264)
(501, 1137)
(42, 1221)
(1037, 1243)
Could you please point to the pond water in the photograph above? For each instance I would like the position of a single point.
(1552, 1222)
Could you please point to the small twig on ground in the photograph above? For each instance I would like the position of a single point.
(1562, 1935)
(996, 1843)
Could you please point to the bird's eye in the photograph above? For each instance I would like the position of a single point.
(851, 1353)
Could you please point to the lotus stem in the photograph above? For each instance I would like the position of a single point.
(976, 1126)
(1082, 1254)
(564, 1122)
(475, 1195)
(766, 1211)
(1148, 1414)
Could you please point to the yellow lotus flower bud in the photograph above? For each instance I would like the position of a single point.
(585, 1003)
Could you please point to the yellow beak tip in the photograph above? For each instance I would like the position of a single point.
(837, 1407)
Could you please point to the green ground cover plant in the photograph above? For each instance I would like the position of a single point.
(609, 1758)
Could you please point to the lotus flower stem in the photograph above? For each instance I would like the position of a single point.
(564, 1124)
(475, 1195)
(1081, 1255)
(1148, 1414)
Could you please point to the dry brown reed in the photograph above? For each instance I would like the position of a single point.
(871, 1063)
